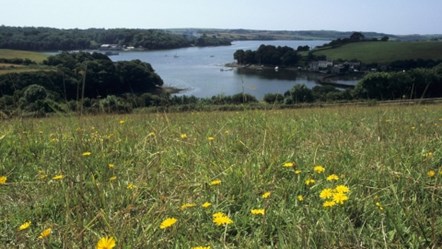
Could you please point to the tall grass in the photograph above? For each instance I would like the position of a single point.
(143, 168)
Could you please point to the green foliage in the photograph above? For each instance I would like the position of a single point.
(416, 83)
(299, 94)
(268, 55)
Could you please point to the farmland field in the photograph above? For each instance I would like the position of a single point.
(338, 177)
(384, 52)
(19, 54)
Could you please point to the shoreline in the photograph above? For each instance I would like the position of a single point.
(321, 78)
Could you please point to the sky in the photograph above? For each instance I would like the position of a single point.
(387, 16)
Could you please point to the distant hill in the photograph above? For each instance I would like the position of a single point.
(384, 52)
(247, 34)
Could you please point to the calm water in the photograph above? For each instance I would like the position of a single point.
(202, 73)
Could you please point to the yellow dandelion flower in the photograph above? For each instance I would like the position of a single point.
(327, 204)
(288, 164)
(183, 136)
(266, 195)
(319, 169)
(339, 198)
(201, 247)
(342, 189)
(300, 198)
(431, 173)
(326, 193)
(45, 233)
(310, 181)
(106, 243)
(3, 179)
(206, 204)
(58, 177)
(215, 182)
(111, 165)
(112, 178)
(428, 154)
(24, 226)
(168, 223)
(131, 186)
(298, 171)
(379, 206)
(332, 177)
(210, 139)
(121, 121)
(258, 211)
(87, 153)
(221, 219)
(187, 205)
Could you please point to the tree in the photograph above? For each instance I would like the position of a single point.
(357, 36)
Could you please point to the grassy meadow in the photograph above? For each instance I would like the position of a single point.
(20, 54)
(338, 177)
(384, 52)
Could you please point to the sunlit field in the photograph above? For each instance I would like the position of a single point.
(338, 177)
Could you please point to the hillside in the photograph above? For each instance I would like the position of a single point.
(20, 54)
(309, 178)
(384, 52)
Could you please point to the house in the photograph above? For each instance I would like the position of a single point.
(320, 65)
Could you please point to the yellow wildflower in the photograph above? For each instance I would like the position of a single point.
(319, 169)
(206, 204)
(309, 182)
(122, 121)
(183, 136)
(215, 182)
(111, 165)
(201, 247)
(288, 164)
(258, 211)
(24, 226)
(342, 189)
(3, 179)
(151, 134)
(221, 219)
(58, 177)
(210, 138)
(326, 193)
(87, 153)
(168, 223)
(327, 204)
(131, 186)
(379, 205)
(339, 198)
(112, 178)
(45, 233)
(266, 195)
(431, 173)
(298, 171)
(106, 243)
(300, 198)
(187, 205)
(428, 154)
(332, 177)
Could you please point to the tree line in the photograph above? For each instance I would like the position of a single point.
(70, 77)
(269, 55)
(51, 39)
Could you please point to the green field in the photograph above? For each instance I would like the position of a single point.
(379, 184)
(13, 54)
(384, 52)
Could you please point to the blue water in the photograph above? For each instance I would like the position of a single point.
(202, 72)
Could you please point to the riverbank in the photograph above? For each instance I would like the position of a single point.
(348, 80)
